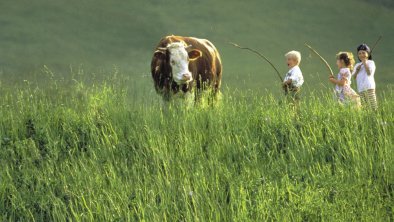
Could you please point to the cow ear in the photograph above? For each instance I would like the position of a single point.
(159, 54)
(194, 54)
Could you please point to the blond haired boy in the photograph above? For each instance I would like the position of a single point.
(293, 80)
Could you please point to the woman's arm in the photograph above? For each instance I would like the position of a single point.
(332, 79)
(340, 82)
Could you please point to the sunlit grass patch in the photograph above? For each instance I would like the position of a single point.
(105, 151)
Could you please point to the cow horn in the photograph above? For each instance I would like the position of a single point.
(161, 48)
(188, 47)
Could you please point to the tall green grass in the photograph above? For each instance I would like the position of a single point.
(103, 151)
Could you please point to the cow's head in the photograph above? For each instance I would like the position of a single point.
(179, 55)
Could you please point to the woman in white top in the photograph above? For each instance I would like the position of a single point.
(364, 73)
(344, 93)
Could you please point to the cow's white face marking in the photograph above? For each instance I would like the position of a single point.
(179, 61)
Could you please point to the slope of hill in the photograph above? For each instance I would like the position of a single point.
(100, 34)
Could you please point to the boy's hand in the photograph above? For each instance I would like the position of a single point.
(332, 79)
(286, 84)
(366, 66)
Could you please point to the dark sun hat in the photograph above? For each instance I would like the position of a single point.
(365, 47)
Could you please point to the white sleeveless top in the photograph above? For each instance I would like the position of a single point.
(343, 73)
(365, 81)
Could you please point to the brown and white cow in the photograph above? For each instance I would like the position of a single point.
(180, 63)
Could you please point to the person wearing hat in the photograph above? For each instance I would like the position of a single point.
(364, 73)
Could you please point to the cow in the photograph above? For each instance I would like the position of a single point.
(181, 63)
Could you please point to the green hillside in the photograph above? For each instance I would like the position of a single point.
(102, 34)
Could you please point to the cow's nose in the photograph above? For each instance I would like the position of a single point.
(187, 76)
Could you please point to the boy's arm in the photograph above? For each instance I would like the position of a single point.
(356, 71)
(370, 68)
(288, 82)
(366, 67)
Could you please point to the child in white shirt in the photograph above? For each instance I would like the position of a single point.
(344, 93)
(293, 80)
(364, 73)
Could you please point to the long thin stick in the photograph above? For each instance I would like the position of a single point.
(321, 58)
(376, 43)
(260, 55)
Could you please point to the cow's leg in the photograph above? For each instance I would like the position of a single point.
(217, 77)
(166, 96)
(197, 87)
(216, 95)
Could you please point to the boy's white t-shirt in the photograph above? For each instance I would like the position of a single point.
(365, 81)
(296, 77)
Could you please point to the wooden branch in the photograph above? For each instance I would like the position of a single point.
(376, 43)
(321, 58)
(260, 55)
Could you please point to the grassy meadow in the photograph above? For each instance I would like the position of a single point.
(84, 137)
(86, 153)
